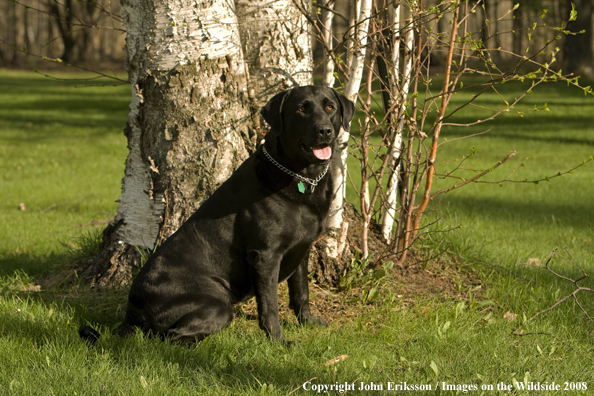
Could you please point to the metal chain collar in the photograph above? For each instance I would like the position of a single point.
(311, 182)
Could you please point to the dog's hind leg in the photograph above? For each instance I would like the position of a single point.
(210, 315)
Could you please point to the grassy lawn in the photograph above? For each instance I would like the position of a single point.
(62, 155)
(518, 221)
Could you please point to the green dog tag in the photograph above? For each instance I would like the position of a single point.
(301, 187)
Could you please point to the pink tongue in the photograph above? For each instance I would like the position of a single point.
(322, 152)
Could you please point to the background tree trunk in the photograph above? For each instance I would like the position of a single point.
(19, 33)
(64, 18)
(188, 127)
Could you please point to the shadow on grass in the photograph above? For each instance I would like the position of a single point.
(25, 81)
(38, 267)
(74, 112)
(39, 101)
(34, 265)
(509, 136)
(549, 129)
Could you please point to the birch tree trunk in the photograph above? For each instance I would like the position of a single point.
(327, 17)
(333, 245)
(351, 91)
(402, 98)
(276, 41)
(188, 126)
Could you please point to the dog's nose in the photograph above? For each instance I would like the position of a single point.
(325, 131)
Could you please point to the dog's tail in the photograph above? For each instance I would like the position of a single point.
(88, 334)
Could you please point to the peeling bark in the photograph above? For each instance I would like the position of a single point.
(188, 127)
(190, 123)
(276, 43)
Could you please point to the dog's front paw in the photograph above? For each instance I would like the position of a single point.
(314, 321)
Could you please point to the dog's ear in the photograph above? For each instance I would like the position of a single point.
(273, 112)
(347, 110)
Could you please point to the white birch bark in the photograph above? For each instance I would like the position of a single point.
(394, 21)
(402, 98)
(339, 162)
(327, 18)
(276, 42)
(163, 37)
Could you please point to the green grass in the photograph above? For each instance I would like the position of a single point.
(62, 152)
(62, 155)
(528, 220)
(455, 342)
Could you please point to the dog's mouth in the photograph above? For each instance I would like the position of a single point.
(322, 152)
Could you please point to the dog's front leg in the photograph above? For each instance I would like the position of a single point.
(264, 273)
(299, 295)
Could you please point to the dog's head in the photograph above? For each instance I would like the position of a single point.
(306, 120)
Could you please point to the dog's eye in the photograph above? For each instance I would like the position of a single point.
(301, 109)
(329, 107)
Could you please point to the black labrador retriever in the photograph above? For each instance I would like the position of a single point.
(255, 231)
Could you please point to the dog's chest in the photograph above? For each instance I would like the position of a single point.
(309, 223)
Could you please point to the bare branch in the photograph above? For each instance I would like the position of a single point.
(573, 294)
(472, 179)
